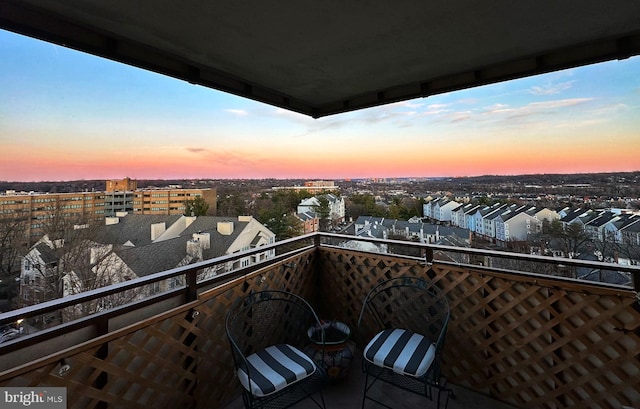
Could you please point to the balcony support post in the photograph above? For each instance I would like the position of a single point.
(192, 287)
(428, 255)
(102, 328)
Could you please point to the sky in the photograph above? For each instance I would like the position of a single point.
(66, 115)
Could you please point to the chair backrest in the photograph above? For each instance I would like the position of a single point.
(409, 303)
(268, 318)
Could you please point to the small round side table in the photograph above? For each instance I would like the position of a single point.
(338, 349)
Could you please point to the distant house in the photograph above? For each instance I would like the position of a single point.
(310, 222)
(59, 268)
(630, 233)
(370, 226)
(546, 214)
(517, 224)
(37, 267)
(596, 227)
(579, 216)
(485, 228)
(336, 207)
(440, 209)
(459, 216)
(363, 221)
(470, 217)
(405, 229)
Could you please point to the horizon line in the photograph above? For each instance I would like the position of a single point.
(333, 179)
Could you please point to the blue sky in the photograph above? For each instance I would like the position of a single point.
(67, 115)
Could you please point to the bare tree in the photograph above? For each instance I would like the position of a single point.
(630, 252)
(92, 265)
(60, 250)
(571, 238)
(72, 258)
(607, 247)
(13, 241)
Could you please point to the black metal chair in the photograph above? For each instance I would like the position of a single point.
(268, 331)
(404, 322)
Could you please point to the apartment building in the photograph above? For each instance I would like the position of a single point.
(123, 195)
(121, 185)
(78, 208)
(170, 201)
(38, 209)
(319, 186)
(312, 186)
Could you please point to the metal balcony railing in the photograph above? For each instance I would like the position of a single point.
(523, 330)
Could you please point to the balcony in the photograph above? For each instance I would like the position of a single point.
(517, 337)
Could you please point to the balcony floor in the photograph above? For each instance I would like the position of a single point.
(347, 393)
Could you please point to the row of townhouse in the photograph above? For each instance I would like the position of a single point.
(605, 225)
(502, 222)
(506, 222)
(415, 230)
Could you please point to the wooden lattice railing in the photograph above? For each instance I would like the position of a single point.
(534, 342)
(177, 359)
(529, 340)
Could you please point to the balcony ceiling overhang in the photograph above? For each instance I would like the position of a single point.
(321, 57)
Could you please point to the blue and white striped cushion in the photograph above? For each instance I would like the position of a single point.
(275, 368)
(402, 351)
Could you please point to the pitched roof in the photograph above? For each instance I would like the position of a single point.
(633, 227)
(155, 257)
(152, 257)
(601, 219)
(47, 254)
(133, 228)
(574, 214)
(586, 218)
(304, 216)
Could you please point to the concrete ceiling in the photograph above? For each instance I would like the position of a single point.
(326, 57)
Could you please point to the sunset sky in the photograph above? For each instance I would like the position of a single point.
(65, 115)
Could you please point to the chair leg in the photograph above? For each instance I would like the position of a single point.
(367, 386)
(364, 393)
(449, 394)
(320, 404)
(322, 399)
(246, 400)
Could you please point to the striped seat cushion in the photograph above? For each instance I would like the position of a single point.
(402, 351)
(275, 368)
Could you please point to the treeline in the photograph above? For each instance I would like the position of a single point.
(392, 207)
(54, 187)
